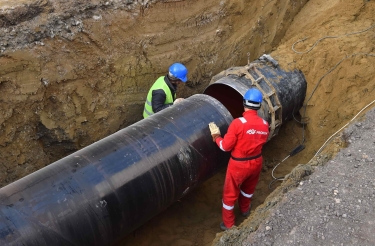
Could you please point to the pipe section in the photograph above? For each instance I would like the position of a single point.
(283, 91)
(104, 191)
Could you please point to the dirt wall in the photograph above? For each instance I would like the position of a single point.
(75, 72)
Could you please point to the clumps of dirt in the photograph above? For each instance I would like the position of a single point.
(27, 22)
(22, 12)
(299, 172)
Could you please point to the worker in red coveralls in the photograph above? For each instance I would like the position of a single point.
(245, 138)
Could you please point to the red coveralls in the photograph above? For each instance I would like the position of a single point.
(245, 138)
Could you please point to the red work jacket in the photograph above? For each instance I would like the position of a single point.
(246, 135)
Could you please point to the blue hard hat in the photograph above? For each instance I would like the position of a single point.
(252, 98)
(178, 71)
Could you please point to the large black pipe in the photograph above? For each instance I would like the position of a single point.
(104, 191)
(98, 194)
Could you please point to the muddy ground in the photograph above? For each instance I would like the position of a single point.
(73, 73)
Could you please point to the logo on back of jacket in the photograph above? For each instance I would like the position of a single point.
(253, 131)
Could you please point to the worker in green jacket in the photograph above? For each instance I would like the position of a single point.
(162, 94)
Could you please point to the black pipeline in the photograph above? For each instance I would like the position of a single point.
(283, 91)
(104, 191)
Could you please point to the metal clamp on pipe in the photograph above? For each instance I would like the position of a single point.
(283, 92)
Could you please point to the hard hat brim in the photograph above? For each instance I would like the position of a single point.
(184, 79)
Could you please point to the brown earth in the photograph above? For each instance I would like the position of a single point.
(73, 73)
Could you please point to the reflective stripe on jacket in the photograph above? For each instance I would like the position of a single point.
(159, 84)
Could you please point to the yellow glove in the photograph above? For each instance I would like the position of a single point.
(214, 129)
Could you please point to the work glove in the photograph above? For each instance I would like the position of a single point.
(215, 131)
(178, 100)
(213, 128)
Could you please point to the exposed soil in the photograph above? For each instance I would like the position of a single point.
(73, 73)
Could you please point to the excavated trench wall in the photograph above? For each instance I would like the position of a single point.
(75, 72)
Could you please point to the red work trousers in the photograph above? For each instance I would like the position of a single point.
(240, 182)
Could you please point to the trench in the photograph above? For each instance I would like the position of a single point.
(111, 188)
(194, 219)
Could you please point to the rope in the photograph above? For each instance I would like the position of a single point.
(323, 146)
(280, 178)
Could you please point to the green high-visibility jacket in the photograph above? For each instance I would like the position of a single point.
(159, 84)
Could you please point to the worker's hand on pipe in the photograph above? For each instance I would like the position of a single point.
(178, 100)
(215, 136)
(213, 128)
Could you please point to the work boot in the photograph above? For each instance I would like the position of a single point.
(245, 214)
(223, 227)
